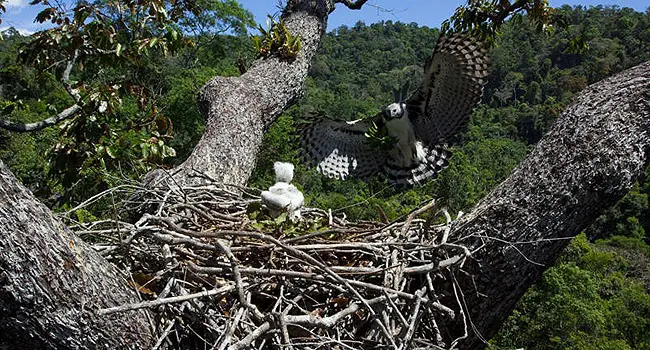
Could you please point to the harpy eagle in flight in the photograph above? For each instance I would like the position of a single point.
(407, 140)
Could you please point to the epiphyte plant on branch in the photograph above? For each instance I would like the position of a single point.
(276, 40)
(406, 142)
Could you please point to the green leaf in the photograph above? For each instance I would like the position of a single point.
(145, 151)
(282, 218)
(45, 14)
(168, 152)
(258, 226)
(111, 151)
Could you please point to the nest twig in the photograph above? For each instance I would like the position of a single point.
(218, 273)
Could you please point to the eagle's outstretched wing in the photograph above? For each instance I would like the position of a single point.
(452, 86)
(339, 149)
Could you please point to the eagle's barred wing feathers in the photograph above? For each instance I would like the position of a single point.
(451, 88)
(338, 148)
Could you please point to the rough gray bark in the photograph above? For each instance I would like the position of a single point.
(589, 159)
(51, 282)
(239, 110)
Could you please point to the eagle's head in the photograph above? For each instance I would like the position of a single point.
(394, 111)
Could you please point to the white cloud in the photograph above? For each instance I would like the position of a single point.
(15, 4)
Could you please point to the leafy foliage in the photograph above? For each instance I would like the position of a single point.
(587, 301)
(124, 64)
(262, 220)
(379, 138)
(117, 49)
(484, 18)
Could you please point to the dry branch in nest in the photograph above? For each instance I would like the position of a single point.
(218, 273)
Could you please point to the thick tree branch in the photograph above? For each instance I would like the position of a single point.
(51, 283)
(588, 160)
(239, 110)
(28, 127)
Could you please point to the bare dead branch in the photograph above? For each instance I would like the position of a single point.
(152, 303)
(65, 78)
(29, 127)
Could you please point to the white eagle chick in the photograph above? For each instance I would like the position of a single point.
(283, 197)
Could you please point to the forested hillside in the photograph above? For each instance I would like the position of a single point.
(597, 296)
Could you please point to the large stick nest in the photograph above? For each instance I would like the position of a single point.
(217, 272)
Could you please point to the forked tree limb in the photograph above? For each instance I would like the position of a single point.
(588, 160)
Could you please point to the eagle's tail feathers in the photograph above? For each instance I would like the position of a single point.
(437, 159)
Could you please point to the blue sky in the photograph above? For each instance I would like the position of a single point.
(428, 13)
(424, 12)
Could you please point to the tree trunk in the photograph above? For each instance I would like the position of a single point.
(589, 159)
(51, 283)
(239, 110)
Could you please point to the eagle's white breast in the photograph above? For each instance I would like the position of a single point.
(400, 127)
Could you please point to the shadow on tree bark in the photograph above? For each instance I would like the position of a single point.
(588, 160)
(51, 283)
